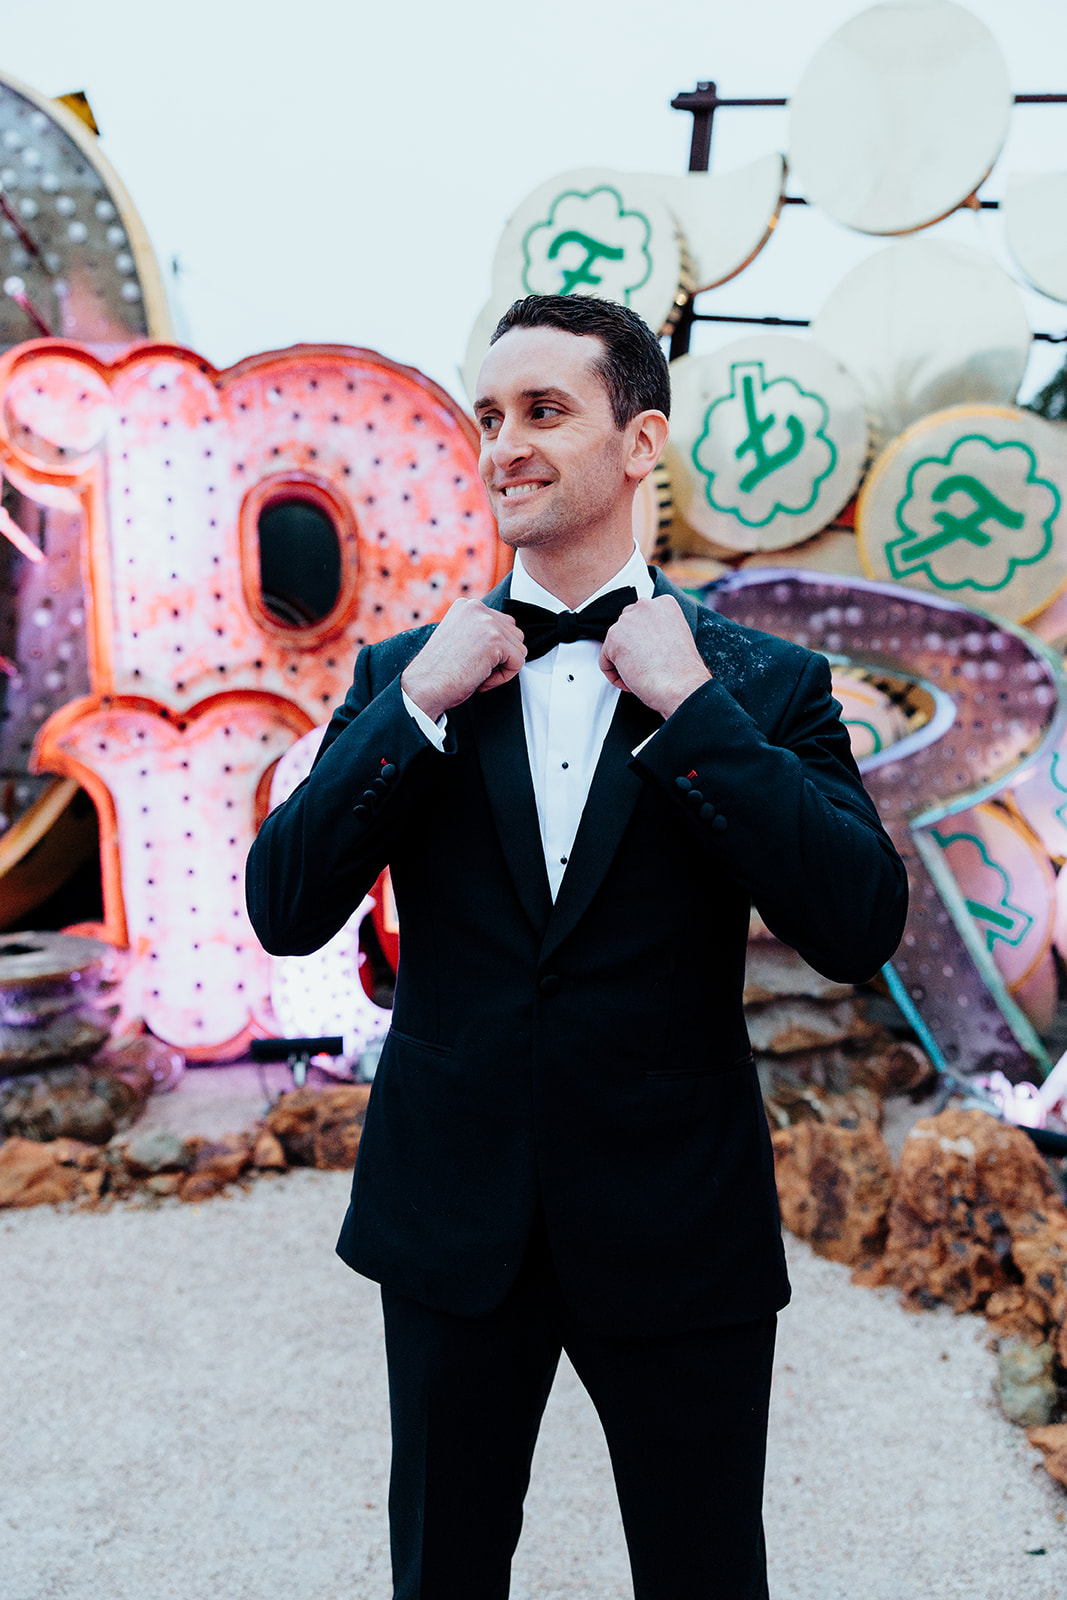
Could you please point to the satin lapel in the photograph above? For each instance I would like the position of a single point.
(613, 794)
(690, 609)
(500, 739)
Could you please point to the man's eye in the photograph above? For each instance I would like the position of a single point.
(487, 422)
(540, 412)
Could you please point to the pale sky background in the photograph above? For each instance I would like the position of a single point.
(341, 172)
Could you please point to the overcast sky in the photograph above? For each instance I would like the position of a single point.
(340, 172)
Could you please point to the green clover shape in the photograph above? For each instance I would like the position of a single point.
(903, 570)
(577, 194)
(820, 433)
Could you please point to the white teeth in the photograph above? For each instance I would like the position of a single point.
(520, 488)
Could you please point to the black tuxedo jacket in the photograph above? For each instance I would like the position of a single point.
(590, 1054)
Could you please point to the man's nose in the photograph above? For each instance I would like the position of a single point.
(510, 445)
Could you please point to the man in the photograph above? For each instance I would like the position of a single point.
(565, 1145)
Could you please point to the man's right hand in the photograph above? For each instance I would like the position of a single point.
(472, 648)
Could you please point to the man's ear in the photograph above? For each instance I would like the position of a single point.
(647, 434)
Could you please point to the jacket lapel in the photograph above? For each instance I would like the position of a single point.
(500, 739)
(501, 742)
(613, 794)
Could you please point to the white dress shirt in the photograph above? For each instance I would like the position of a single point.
(567, 707)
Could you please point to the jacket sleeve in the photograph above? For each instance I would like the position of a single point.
(317, 855)
(787, 817)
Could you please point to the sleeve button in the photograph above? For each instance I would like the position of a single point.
(388, 771)
(683, 784)
(369, 796)
(706, 812)
(549, 985)
(720, 823)
(694, 798)
(361, 811)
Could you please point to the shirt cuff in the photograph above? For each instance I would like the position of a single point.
(434, 731)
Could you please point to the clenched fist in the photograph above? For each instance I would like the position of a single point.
(472, 648)
(651, 652)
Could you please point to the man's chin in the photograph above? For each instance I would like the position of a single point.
(522, 534)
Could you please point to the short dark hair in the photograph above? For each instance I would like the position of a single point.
(633, 368)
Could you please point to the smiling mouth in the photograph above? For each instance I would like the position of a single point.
(512, 491)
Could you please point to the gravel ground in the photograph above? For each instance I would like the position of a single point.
(192, 1402)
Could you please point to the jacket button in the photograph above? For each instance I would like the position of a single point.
(694, 798)
(683, 784)
(388, 771)
(362, 812)
(720, 823)
(549, 985)
(706, 812)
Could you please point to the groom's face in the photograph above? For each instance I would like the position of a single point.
(552, 458)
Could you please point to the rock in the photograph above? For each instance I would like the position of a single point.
(165, 1183)
(267, 1152)
(787, 1025)
(90, 1102)
(898, 1068)
(1039, 1252)
(200, 1186)
(218, 1161)
(143, 1062)
(320, 1127)
(835, 1181)
(792, 1103)
(157, 1150)
(968, 1188)
(773, 972)
(1052, 1442)
(1024, 1382)
(31, 1174)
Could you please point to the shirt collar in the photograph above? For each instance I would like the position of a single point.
(634, 574)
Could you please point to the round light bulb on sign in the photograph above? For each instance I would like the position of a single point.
(899, 116)
(968, 504)
(768, 441)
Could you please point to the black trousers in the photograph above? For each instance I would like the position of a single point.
(684, 1415)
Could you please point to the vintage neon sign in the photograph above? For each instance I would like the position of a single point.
(199, 683)
(999, 697)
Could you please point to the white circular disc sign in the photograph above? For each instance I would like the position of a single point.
(899, 116)
(768, 441)
(923, 325)
(595, 232)
(969, 504)
(1035, 219)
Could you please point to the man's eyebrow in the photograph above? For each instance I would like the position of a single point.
(486, 402)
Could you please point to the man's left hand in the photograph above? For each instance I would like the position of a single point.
(651, 652)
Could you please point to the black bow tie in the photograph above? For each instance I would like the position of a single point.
(542, 630)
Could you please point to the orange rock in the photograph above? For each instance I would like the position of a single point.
(834, 1186)
(215, 1164)
(22, 1163)
(969, 1192)
(267, 1152)
(320, 1127)
(1051, 1440)
(30, 1175)
(200, 1186)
